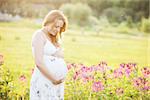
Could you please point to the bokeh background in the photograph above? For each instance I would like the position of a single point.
(111, 31)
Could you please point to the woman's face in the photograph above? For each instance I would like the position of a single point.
(56, 27)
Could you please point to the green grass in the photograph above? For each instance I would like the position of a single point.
(89, 49)
(112, 48)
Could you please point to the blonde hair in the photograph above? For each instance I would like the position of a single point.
(51, 17)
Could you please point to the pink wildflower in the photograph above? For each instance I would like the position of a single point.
(146, 72)
(97, 86)
(118, 73)
(22, 78)
(141, 83)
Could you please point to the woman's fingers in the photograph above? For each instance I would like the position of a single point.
(58, 81)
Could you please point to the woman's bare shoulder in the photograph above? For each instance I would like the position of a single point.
(38, 36)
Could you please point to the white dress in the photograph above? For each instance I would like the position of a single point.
(40, 87)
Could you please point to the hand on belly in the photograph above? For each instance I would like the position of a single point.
(56, 67)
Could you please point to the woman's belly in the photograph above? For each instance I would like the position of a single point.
(56, 66)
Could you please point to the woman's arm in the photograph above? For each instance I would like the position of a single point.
(38, 42)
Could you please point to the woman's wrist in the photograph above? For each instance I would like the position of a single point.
(52, 79)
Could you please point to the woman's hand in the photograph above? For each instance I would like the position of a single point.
(59, 53)
(56, 82)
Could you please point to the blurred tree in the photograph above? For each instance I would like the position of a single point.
(77, 13)
(140, 8)
(11, 6)
(115, 14)
(28, 8)
(145, 25)
(136, 9)
(97, 5)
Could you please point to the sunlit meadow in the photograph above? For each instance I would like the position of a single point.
(101, 66)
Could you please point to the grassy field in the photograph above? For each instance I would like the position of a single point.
(87, 48)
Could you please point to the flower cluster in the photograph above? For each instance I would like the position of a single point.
(146, 72)
(98, 76)
(125, 69)
(141, 83)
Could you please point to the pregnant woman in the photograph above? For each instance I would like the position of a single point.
(47, 82)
